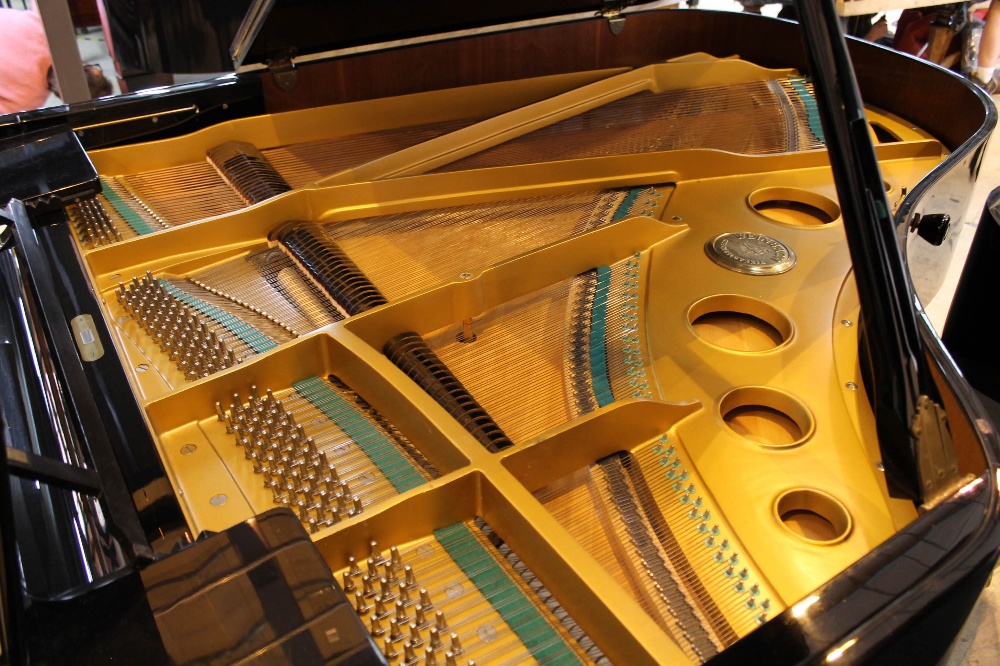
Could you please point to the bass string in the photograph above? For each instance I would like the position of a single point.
(269, 280)
(405, 252)
(514, 366)
(717, 597)
(185, 193)
(303, 163)
(741, 118)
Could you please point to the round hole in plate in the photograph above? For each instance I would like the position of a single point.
(142, 367)
(813, 515)
(791, 205)
(188, 449)
(768, 417)
(218, 500)
(739, 323)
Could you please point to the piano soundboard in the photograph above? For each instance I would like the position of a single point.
(568, 379)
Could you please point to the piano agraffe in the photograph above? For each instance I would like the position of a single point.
(551, 341)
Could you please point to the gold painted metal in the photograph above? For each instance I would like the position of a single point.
(174, 181)
(87, 338)
(739, 323)
(708, 342)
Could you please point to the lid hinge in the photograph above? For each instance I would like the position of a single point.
(936, 460)
(282, 69)
(612, 10)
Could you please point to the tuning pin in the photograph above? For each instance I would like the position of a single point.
(376, 554)
(415, 638)
(429, 658)
(449, 659)
(420, 619)
(404, 594)
(435, 638)
(380, 606)
(384, 588)
(366, 585)
(389, 650)
(409, 656)
(439, 621)
(408, 576)
(390, 574)
(425, 599)
(394, 558)
(456, 645)
(372, 568)
(376, 627)
(349, 586)
(360, 605)
(401, 612)
(394, 632)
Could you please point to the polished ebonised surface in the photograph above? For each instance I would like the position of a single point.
(152, 39)
(314, 26)
(44, 168)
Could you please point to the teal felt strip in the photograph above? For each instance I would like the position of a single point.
(626, 205)
(253, 338)
(132, 218)
(598, 328)
(812, 112)
(394, 466)
(507, 599)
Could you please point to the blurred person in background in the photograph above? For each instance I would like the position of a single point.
(26, 73)
(989, 49)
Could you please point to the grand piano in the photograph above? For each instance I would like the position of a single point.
(555, 332)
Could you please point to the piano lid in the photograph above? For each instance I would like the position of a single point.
(302, 30)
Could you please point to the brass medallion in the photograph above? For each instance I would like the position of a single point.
(749, 253)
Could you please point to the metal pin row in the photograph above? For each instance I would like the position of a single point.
(297, 473)
(399, 611)
(93, 224)
(187, 338)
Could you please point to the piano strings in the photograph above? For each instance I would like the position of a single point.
(271, 293)
(540, 360)
(777, 115)
(461, 595)
(647, 518)
(189, 192)
(322, 451)
(752, 118)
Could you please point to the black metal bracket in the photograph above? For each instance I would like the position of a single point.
(28, 465)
